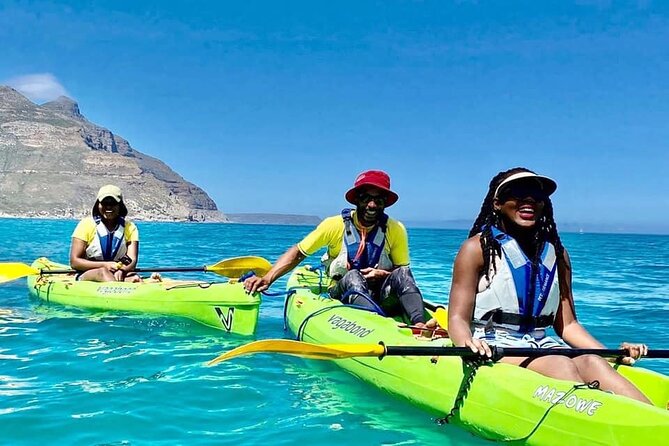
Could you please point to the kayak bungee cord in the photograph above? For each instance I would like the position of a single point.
(300, 331)
(472, 364)
(285, 309)
(293, 290)
(377, 309)
(594, 385)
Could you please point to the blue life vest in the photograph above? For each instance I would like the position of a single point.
(376, 239)
(521, 303)
(532, 281)
(110, 242)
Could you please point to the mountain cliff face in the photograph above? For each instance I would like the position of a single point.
(53, 161)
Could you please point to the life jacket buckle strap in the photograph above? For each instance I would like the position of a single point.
(536, 322)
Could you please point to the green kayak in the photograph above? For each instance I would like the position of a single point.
(494, 401)
(221, 305)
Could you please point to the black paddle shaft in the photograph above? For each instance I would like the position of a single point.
(500, 352)
(432, 306)
(137, 270)
(172, 270)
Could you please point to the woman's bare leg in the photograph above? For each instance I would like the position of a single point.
(593, 367)
(554, 366)
(97, 275)
(582, 369)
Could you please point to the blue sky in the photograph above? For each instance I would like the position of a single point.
(276, 106)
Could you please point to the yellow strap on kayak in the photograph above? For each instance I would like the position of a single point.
(303, 349)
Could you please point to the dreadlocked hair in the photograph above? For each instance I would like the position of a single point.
(547, 232)
(546, 229)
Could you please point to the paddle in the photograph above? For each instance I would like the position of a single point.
(439, 312)
(233, 267)
(341, 351)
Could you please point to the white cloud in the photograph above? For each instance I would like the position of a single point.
(39, 87)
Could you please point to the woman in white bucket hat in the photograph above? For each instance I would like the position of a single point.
(105, 246)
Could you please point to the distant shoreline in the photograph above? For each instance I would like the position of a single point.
(313, 221)
(51, 217)
(252, 219)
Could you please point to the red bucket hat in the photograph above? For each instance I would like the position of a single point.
(376, 178)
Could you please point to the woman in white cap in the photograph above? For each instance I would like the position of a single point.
(512, 281)
(105, 246)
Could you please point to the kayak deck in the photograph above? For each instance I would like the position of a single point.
(222, 305)
(495, 401)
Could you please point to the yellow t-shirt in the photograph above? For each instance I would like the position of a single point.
(330, 233)
(86, 230)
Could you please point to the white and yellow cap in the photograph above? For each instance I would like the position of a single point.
(548, 185)
(110, 191)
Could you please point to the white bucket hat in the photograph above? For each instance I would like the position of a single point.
(110, 191)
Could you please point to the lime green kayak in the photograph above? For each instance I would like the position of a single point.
(494, 401)
(221, 305)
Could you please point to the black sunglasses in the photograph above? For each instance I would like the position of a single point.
(378, 199)
(109, 202)
(522, 190)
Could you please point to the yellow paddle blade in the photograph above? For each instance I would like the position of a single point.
(13, 271)
(238, 266)
(304, 349)
(441, 315)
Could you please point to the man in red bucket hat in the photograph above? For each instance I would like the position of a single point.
(367, 256)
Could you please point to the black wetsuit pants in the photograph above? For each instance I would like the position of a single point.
(396, 294)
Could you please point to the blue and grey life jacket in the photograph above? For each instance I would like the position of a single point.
(521, 296)
(372, 255)
(107, 245)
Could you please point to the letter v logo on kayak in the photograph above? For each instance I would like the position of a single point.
(226, 319)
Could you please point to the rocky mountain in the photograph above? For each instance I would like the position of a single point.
(53, 161)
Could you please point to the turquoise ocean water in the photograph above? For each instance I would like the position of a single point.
(75, 377)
